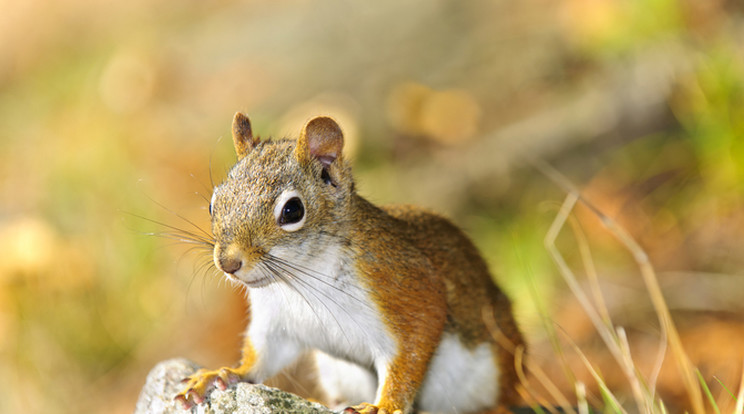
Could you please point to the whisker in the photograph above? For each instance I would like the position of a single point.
(278, 274)
(315, 275)
(211, 159)
(275, 273)
(199, 240)
(204, 186)
(182, 238)
(203, 197)
(185, 219)
(312, 273)
(324, 279)
(206, 265)
(204, 237)
(315, 291)
(291, 268)
(268, 272)
(275, 267)
(211, 176)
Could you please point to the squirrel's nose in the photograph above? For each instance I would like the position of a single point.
(229, 264)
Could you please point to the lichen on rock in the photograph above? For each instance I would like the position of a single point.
(164, 382)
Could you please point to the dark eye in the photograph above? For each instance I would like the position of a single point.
(289, 211)
(292, 212)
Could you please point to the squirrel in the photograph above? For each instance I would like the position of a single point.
(393, 299)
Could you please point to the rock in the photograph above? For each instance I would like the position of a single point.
(164, 382)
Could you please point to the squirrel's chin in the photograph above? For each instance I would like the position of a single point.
(250, 282)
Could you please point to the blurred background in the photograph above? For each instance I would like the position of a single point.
(115, 120)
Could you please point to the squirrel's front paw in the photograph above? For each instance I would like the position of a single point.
(366, 408)
(201, 382)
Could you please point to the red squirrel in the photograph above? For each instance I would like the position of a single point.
(391, 298)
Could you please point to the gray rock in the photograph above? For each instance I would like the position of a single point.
(164, 382)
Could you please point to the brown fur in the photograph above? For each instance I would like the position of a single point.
(434, 282)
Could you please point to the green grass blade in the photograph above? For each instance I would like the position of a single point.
(707, 391)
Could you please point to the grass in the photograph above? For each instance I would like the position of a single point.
(645, 398)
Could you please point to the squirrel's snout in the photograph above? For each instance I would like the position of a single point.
(229, 264)
(228, 259)
(238, 262)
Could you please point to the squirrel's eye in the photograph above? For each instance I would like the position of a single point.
(290, 211)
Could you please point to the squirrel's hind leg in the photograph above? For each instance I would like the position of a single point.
(344, 383)
(461, 379)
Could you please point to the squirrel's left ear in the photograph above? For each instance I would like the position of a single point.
(321, 138)
(243, 135)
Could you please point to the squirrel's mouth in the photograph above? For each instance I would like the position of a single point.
(252, 283)
(257, 283)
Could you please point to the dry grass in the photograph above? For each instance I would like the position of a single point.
(645, 398)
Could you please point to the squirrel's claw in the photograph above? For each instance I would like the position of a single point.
(183, 402)
(188, 399)
(202, 382)
(366, 408)
(363, 408)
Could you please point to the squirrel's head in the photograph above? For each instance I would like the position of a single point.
(283, 200)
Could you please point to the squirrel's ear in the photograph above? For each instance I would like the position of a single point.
(242, 135)
(321, 138)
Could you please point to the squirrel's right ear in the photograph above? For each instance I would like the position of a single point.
(321, 138)
(242, 135)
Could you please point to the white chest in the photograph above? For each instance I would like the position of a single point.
(319, 303)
